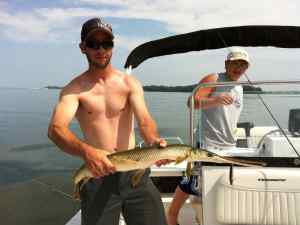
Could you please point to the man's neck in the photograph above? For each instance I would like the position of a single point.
(102, 73)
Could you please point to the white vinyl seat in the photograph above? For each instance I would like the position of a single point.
(269, 197)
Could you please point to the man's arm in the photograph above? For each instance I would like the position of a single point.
(58, 130)
(147, 125)
(66, 140)
(203, 98)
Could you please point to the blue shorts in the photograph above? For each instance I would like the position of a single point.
(190, 185)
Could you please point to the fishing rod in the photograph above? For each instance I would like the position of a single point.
(264, 104)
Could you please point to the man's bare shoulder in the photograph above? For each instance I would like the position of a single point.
(131, 81)
(75, 86)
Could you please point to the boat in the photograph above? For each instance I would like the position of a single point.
(238, 195)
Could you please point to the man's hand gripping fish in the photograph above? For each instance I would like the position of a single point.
(142, 158)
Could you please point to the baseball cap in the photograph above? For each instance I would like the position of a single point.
(93, 25)
(238, 54)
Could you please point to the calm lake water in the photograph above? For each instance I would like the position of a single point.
(26, 151)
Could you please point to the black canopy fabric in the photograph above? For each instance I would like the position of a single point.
(276, 36)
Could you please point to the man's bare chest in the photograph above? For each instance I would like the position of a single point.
(108, 102)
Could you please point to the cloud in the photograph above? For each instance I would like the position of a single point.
(184, 16)
(178, 16)
(22, 27)
(129, 42)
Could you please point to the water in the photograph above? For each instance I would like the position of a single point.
(26, 151)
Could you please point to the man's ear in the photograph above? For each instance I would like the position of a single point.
(82, 47)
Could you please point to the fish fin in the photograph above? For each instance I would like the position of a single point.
(188, 171)
(179, 160)
(136, 178)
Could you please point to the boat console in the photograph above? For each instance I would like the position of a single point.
(294, 122)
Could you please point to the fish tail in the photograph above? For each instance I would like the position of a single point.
(76, 191)
(78, 187)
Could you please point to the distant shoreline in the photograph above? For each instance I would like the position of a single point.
(185, 88)
(53, 87)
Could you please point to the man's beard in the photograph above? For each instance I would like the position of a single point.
(98, 64)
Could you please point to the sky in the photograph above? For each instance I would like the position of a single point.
(39, 39)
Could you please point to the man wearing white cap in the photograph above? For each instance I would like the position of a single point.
(222, 107)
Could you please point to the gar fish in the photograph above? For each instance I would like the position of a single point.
(142, 158)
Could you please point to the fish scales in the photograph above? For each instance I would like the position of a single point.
(143, 158)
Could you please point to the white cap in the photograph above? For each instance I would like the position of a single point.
(238, 54)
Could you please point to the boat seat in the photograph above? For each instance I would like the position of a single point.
(247, 126)
(267, 196)
(256, 134)
(294, 122)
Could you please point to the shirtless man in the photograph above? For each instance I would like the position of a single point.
(105, 101)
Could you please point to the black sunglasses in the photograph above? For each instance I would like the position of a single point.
(96, 45)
